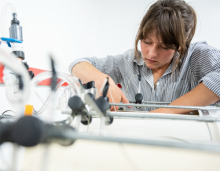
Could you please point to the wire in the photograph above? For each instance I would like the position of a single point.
(103, 85)
(112, 98)
(45, 103)
(176, 138)
(39, 96)
(128, 158)
(8, 111)
(128, 84)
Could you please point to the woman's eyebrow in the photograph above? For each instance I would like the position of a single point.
(148, 38)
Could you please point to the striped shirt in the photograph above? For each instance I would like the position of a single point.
(201, 63)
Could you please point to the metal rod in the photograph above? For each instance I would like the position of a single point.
(149, 102)
(163, 116)
(157, 116)
(167, 106)
(211, 147)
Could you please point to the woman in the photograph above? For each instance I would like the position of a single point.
(171, 69)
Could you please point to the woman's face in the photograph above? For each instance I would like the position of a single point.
(155, 55)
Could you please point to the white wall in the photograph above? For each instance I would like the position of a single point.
(70, 29)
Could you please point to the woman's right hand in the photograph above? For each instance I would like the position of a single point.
(83, 71)
(115, 95)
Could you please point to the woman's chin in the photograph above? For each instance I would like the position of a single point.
(151, 66)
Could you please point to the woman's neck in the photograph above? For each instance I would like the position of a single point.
(158, 73)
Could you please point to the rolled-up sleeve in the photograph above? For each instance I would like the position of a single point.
(206, 66)
(114, 66)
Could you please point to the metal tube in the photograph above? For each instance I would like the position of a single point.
(211, 147)
(167, 106)
(155, 116)
(148, 102)
(163, 116)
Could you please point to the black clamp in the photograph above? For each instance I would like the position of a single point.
(78, 107)
(103, 103)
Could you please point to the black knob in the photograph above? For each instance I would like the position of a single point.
(76, 104)
(138, 98)
(28, 131)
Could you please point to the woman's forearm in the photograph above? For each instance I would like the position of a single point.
(87, 72)
(199, 96)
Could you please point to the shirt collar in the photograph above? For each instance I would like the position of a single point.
(138, 61)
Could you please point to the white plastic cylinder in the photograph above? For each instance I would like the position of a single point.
(11, 61)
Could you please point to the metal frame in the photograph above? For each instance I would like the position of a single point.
(166, 106)
(210, 147)
(164, 116)
(149, 102)
(167, 116)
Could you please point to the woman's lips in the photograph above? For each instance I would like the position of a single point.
(151, 61)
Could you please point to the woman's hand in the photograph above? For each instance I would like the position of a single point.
(114, 94)
(83, 71)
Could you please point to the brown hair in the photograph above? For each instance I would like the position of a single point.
(174, 21)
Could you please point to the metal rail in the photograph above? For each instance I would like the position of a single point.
(164, 116)
(166, 106)
(149, 102)
(211, 147)
(156, 116)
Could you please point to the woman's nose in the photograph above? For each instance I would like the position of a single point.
(153, 52)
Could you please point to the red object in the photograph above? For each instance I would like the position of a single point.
(119, 85)
(36, 72)
(1, 74)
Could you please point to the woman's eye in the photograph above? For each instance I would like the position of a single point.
(146, 42)
(164, 48)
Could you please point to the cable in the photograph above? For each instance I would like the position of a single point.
(45, 103)
(128, 158)
(39, 96)
(8, 111)
(112, 98)
(128, 84)
(176, 139)
(103, 85)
